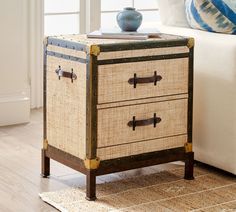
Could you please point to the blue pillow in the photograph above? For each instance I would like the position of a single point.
(212, 15)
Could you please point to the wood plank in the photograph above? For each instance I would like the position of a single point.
(18, 194)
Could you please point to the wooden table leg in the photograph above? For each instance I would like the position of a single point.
(189, 163)
(91, 186)
(45, 166)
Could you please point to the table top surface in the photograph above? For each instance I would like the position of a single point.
(82, 39)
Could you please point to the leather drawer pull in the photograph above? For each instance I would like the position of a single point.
(62, 73)
(154, 79)
(136, 123)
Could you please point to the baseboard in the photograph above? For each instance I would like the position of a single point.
(219, 159)
(14, 108)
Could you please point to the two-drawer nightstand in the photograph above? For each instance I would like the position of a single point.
(115, 105)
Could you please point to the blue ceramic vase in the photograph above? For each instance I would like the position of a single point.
(129, 19)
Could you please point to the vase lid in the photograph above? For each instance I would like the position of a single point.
(129, 8)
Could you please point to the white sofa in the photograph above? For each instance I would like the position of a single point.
(214, 127)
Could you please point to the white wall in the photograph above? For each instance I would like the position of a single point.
(13, 46)
(14, 62)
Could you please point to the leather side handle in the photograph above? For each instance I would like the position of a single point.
(62, 73)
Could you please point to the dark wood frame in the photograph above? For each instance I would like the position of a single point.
(123, 163)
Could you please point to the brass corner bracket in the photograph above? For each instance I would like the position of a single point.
(91, 163)
(94, 50)
(45, 144)
(188, 147)
(190, 43)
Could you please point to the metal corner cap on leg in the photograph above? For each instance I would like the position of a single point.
(91, 164)
(45, 144)
(188, 147)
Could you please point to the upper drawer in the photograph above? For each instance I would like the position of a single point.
(152, 79)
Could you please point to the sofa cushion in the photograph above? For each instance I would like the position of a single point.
(212, 15)
(172, 12)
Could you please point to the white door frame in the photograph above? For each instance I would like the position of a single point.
(93, 15)
(36, 35)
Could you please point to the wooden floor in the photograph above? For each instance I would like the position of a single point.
(20, 180)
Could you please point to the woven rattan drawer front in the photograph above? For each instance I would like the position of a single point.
(127, 81)
(135, 148)
(66, 108)
(134, 123)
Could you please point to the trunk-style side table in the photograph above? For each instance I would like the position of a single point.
(114, 105)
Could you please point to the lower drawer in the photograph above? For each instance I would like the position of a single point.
(128, 124)
(123, 150)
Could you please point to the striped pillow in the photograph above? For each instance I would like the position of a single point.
(212, 15)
